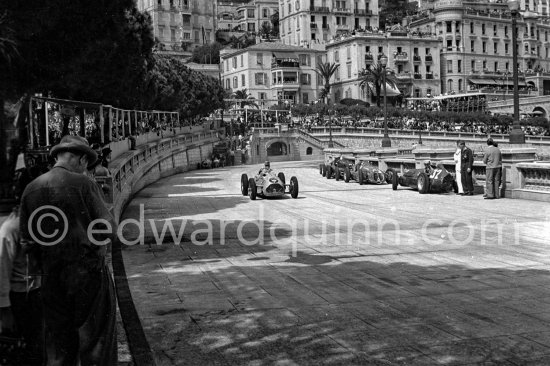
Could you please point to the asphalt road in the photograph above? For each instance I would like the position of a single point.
(345, 274)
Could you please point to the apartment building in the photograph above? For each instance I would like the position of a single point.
(181, 25)
(272, 72)
(476, 46)
(412, 57)
(252, 15)
(313, 23)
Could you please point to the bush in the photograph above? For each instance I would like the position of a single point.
(351, 102)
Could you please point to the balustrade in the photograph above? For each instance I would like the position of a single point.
(534, 176)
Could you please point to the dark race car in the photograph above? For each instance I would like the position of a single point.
(366, 173)
(428, 180)
(268, 184)
(328, 168)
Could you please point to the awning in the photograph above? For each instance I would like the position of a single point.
(390, 92)
(496, 82)
(286, 55)
(483, 81)
(511, 82)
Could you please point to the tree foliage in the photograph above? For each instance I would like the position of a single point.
(372, 79)
(207, 54)
(71, 49)
(172, 86)
(326, 70)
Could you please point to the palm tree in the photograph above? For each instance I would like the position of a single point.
(326, 70)
(245, 98)
(372, 78)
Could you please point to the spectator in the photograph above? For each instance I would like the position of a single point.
(493, 164)
(467, 168)
(20, 303)
(77, 288)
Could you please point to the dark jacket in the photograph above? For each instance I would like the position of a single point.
(467, 157)
(81, 202)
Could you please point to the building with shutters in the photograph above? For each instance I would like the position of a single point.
(272, 73)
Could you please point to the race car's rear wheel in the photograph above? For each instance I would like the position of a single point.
(244, 184)
(423, 183)
(328, 172)
(347, 175)
(455, 186)
(360, 176)
(253, 188)
(321, 169)
(337, 173)
(394, 181)
(281, 176)
(389, 175)
(293, 187)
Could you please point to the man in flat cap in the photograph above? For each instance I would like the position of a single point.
(57, 211)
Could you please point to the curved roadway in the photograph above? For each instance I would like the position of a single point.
(345, 274)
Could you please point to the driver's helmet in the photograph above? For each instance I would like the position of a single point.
(267, 164)
(427, 163)
(440, 166)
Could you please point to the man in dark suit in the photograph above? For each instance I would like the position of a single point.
(467, 168)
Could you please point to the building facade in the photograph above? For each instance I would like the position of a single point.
(181, 25)
(476, 47)
(254, 14)
(272, 73)
(413, 58)
(313, 23)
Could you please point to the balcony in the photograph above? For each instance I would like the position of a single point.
(430, 75)
(404, 76)
(342, 11)
(313, 26)
(417, 75)
(369, 58)
(417, 59)
(429, 59)
(342, 27)
(319, 9)
(401, 58)
(362, 12)
(324, 26)
(287, 84)
(285, 63)
(530, 55)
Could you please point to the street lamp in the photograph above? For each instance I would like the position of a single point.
(330, 143)
(516, 134)
(386, 142)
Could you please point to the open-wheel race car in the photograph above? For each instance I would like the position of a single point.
(431, 179)
(328, 168)
(357, 169)
(268, 184)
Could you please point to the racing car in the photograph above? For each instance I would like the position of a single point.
(431, 179)
(361, 170)
(328, 168)
(267, 184)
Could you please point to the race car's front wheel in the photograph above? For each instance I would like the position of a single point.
(337, 173)
(328, 172)
(347, 175)
(321, 169)
(244, 184)
(293, 187)
(281, 176)
(389, 175)
(253, 188)
(423, 183)
(394, 181)
(360, 176)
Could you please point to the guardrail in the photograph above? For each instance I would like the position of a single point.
(396, 132)
(534, 176)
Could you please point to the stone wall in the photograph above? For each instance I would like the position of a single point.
(135, 169)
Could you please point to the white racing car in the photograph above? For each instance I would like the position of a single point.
(267, 184)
